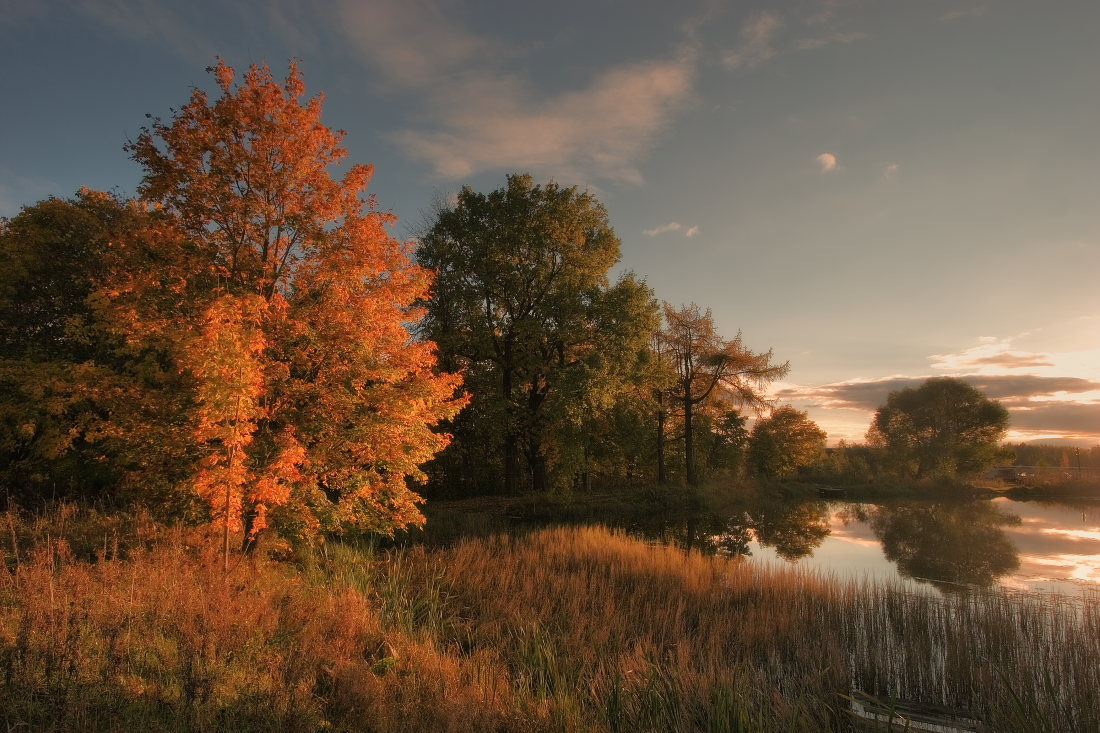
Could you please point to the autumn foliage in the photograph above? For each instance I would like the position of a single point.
(251, 315)
(309, 393)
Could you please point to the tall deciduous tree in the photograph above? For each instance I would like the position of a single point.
(784, 442)
(522, 303)
(943, 427)
(286, 301)
(705, 362)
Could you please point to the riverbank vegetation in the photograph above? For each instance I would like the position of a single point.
(556, 630)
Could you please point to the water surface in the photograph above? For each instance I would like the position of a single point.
(1026, 546)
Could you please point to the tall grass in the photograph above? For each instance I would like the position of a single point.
(562, 629)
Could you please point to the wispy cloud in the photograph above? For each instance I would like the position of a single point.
(827, 11)
(816, 42)
(414, 44)
(891, 171)
(970, 11)
(870, 394)
(480, 115)
(827, 161)
(672, 226)
(755, 42)
(766, 35)
(601, 130)
(991, 354)
(1039, 407)
(1058, 418)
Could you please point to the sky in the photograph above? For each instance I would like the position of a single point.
(879, 191)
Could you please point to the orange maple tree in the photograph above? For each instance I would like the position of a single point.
(286, 303)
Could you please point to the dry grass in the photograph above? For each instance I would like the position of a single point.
(562, 629)
(163, 640)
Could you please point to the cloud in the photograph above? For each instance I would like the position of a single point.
(812, 44)
(1009, 360)
(413, 44)
(755, 43)
(672, 226)
(1049, 396)
(827, 161)
(856, 394)
(1058, 418)
(479, 114)
(759, 38)
(870, 394)
(890, 172)
(991, 354)
(974, 11)
(1018, 387)
(827, 11)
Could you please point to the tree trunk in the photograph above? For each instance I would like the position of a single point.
(511, 440)
(228, 500)
(536, 455)
(689, 439)
(248, 518)
(539, 478)
(662, 472)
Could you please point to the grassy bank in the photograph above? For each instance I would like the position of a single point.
(561, 629)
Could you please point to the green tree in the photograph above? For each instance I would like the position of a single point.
(61, 372)
(727, 439)
(704, 364)
(942, 428)
(522, 304)
(52, 257)
(784, 442)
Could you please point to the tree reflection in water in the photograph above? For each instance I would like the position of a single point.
(794, 530)
(948, 545)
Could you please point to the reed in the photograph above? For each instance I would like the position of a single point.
(578, 629)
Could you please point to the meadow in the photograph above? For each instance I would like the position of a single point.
(123, 624)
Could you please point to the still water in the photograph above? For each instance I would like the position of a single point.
(950, 546)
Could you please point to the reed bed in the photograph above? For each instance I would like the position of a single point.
(567, 629)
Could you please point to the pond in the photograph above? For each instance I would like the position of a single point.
(927, 545)
(1025, 546)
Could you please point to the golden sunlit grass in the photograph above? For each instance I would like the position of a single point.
(562, 629)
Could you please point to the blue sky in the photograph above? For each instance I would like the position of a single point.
(880, 191)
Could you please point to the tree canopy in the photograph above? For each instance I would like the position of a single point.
(703, 363)
(943, 427)
(523, 304)
(783, 442)
(309, 391)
